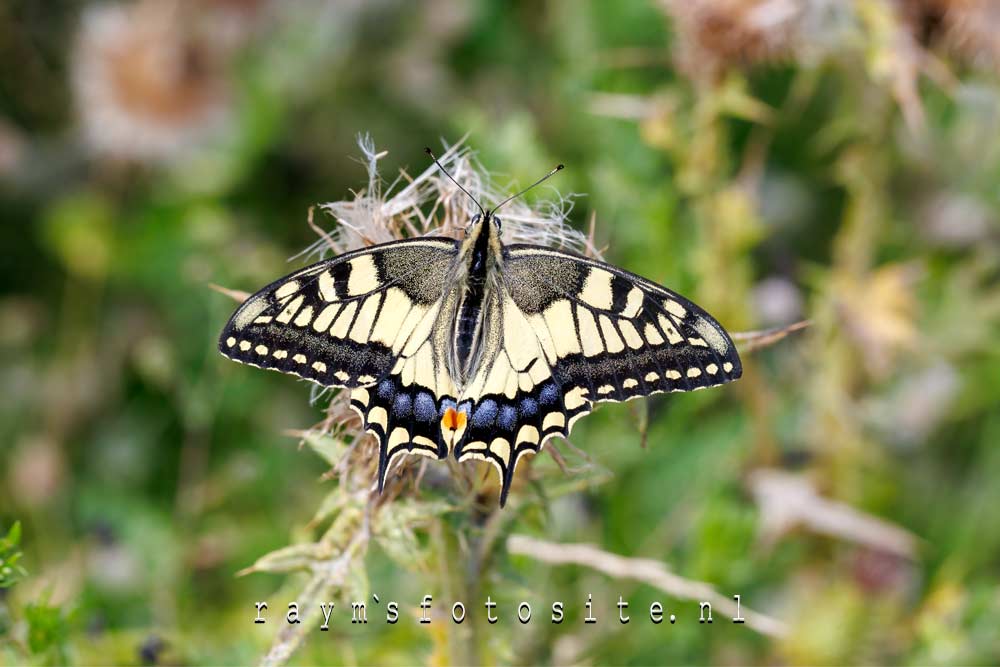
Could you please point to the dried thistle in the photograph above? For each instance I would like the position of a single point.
(969, 29)
(715, 35)
(430, 204)
(426, 205)
(148, 85)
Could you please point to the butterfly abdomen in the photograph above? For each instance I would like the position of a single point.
(467, 327)
(468, 323)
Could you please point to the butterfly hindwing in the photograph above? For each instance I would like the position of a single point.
(404, 418)
(516, 402)
(364, 320)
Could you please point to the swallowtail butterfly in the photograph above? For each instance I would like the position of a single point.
(474, 348)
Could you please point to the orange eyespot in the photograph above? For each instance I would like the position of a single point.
(453, 419)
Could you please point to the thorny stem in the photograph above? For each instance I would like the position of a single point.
(462, 640)
(755, 340)
(326, 578)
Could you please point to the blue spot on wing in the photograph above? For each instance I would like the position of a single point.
(424, 408)
(402, 406)
(386, 389)
(549, 394)
(507, 419)
(485, 413)
(529, 407)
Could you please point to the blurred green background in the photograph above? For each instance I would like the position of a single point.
(837, 160)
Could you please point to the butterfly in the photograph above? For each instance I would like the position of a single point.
(477, 349)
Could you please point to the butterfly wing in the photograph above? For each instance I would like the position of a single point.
(575, 331)
(366, 321)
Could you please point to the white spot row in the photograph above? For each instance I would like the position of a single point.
(318, 366)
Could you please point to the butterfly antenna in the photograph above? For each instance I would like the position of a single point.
(541, 180)
(441, 167)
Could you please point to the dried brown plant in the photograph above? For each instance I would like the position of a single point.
(149, 85)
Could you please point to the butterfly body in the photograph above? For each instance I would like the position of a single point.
(472, 278)
(477, 349)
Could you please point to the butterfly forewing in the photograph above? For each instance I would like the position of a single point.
(615, 335)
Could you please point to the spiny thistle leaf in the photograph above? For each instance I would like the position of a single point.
(330, 449)
(332, 503)
(394, 531)
(287, 559)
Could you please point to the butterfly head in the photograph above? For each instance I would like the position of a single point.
(485, 217)
(482, 241)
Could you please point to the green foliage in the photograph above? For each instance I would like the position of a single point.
(11, 570)
(48, 631)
